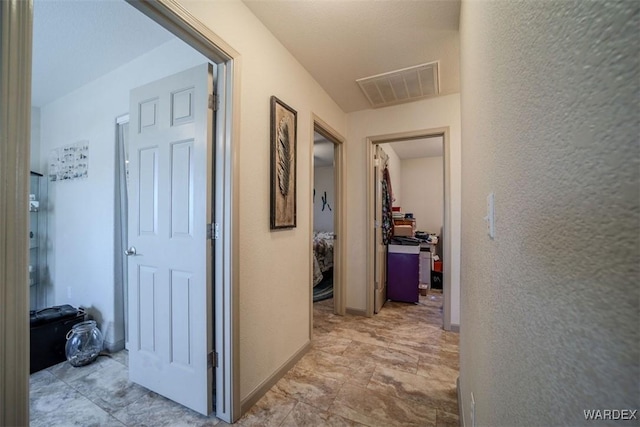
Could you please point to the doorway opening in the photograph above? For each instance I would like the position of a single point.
(425, 155)
(223, 198)
(328, 232)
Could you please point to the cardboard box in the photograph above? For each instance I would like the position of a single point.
(403, 231)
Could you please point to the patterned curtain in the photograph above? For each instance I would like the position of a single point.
(387, 203)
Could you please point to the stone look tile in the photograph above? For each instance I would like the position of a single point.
(153, 410)
(361, 352)
(361, 373)
(446, 419)
(49, 395)
(66, 372)
(330, 344)
(309, 387)
(327, 364)
(109, 386)
(336, 367)
(40, 379)
(121, 356)
(304, 415)
(57, 404)
(409, 387)
(378, 409)
(437, 371)
(361, 333)
(270, 410)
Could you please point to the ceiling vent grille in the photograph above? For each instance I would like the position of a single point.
(396, 87)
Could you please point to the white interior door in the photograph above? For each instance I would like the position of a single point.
(170, 262)
(380, 294)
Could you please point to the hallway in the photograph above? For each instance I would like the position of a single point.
(397, 368)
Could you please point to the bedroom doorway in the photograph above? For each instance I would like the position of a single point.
(327, 242)
(438, 140)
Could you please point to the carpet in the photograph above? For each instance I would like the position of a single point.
(324, 289)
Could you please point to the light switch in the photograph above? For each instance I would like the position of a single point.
(490, 218)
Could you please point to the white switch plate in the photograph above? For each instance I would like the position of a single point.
(490, 218)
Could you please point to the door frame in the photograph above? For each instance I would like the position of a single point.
(176, 19)
(339, 221)
(15, 113)
(372, 141)
(16, 19)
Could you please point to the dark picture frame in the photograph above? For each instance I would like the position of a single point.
(284, 134)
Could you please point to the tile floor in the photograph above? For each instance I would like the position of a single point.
(397, 368)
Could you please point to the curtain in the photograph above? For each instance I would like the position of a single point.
(387, 203)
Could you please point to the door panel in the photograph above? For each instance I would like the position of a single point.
(182, 189)
(170, 271)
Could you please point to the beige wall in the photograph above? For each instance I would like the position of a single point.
(427, 114)
(550, 307)
(274, 265)
(423, 192)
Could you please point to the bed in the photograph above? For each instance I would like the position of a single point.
(322, 254)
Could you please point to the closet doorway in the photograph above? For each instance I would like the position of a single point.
(327, 218)
(419, 175)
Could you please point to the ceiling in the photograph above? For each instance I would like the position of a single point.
(77, 41)
(418, 148)
(341, 41)
(323, 149)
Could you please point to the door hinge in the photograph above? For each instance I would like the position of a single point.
(213, 231)
(212, 360)
(213, 102)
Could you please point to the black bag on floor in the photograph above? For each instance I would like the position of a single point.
(49, 328)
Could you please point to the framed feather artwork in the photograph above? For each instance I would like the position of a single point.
(283, 164)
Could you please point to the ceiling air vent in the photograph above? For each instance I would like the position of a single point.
(396, 87)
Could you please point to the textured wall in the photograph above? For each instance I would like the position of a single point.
(550, 308)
